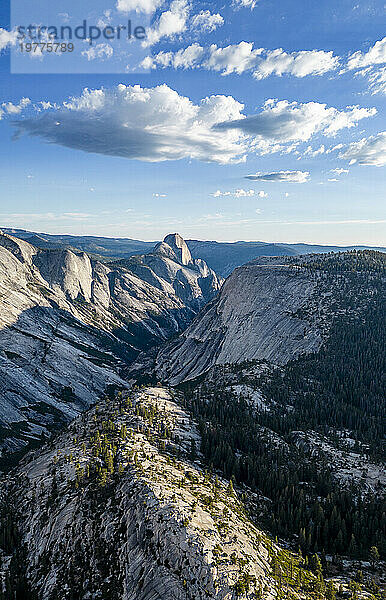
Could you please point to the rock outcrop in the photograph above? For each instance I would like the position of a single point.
(171, 268)
(263, 312)
(273, 309)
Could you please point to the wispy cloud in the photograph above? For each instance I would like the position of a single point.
(241, 193)
(99, 52)
(339, 171)
(368, 151)
(375, 55)
(281, 176)
(205, 21)
(47, 216)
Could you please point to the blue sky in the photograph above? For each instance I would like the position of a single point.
(295, 101)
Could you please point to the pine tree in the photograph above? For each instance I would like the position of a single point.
(374, 556)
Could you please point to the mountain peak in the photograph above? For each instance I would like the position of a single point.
(19, 248)
(179, 247)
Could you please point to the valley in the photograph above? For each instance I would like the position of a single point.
(192, 438)
(192, 300)
(69, 325)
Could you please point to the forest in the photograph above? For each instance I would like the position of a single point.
(339, 388)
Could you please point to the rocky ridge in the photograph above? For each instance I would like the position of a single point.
(120, 507)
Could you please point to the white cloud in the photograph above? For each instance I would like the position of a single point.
(370, 151)
(156, 124)
(374, 56)
(311, 152)
(157, 195)
(348, 119)
(140, 6)
(45, 105)
(105, 20)
(376, 79)
(15, 109)
(188, 58)
(284, 122)
(366, 64)
(151, 124)
(236, 194)
(334, 148)
(242, 57)
(339, 171)
(245, 3)
(232, 59)
(100, 51)
(8, 38)
(8, 108)
(212, 217)
(299, 64)
(170, 23)
(235, 58)
(206, 21)
(286, 176)
(65, 17)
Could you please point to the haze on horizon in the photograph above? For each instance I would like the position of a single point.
(255, 121)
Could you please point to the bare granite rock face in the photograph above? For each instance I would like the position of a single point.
(116, 507)
(69, 323)
(171, 268)
(260, 313)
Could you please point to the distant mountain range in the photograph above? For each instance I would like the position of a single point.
(222, 257)
(107, 248)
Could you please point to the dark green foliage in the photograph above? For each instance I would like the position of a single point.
(340, 387)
